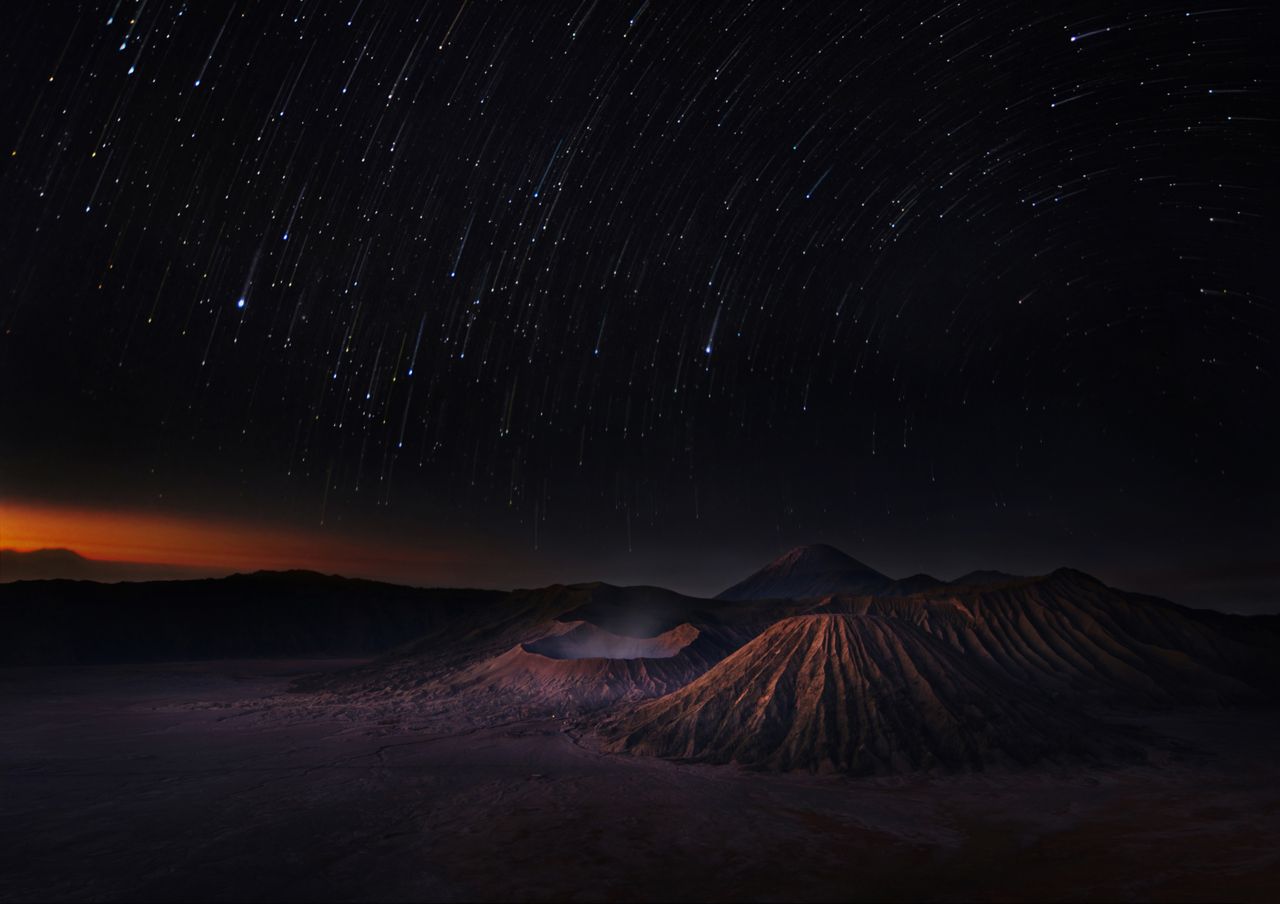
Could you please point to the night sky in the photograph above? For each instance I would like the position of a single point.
(649, 292)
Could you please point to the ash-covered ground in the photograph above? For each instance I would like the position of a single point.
(216, 781)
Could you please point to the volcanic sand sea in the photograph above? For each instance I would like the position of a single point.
(207, 781)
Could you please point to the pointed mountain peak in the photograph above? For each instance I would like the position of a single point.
(808, 571)
(816, 556)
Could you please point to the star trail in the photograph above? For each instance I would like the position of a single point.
(613, 285)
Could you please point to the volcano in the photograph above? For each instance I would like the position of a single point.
(874, 676)
(1071, 637)
(582, 665)
(806, 572)
(859, 694)
(565, 648)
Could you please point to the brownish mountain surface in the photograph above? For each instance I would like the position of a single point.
(957, 677)
(858, 694)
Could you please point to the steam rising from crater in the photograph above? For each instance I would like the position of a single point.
(587, 641)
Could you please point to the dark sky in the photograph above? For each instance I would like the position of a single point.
(652, 291)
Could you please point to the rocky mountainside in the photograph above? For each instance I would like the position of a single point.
(858, 694)
(1068, 635)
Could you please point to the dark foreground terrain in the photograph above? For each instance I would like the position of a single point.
(213, 781)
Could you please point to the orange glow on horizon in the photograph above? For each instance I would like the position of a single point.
(195, 541)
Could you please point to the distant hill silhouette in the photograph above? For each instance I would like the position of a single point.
(986, 577)
(810, 572)
(67, 564)
(265, 614)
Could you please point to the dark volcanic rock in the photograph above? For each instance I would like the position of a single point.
(857, 694)
(986, 576)
(807, 572)
(917, 583)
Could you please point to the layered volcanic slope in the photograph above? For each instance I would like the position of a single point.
(858, 694)
(1068, 635)
(806, 572)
